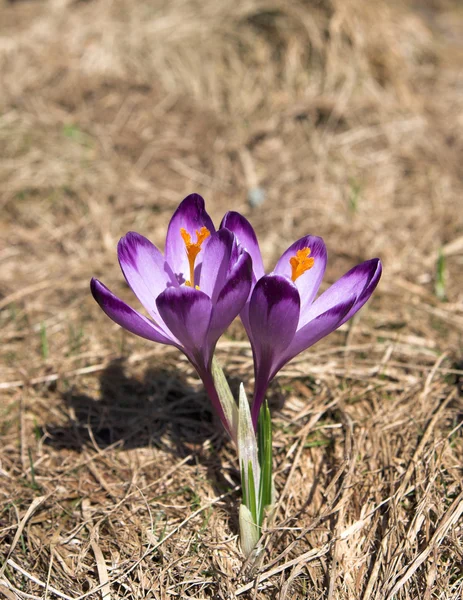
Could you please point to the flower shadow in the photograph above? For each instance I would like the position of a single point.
(160, 409)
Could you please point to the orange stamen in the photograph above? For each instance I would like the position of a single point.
(193, 249)
(300, 263)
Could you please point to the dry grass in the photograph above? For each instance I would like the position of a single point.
(115, 480)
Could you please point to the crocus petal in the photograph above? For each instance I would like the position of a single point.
(316, 329)
(246, 236)
(359, 282)
(125, 316)
(273, 316)
(187, 313)
(303, 338)
(273, 313)
(145, 270)
(309, 282)
(191, 216)
(370, 271)
(335, 306)
(216, 263)
(232, 297)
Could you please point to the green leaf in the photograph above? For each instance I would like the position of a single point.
(265, 459)
(243, 486)
(247, 442)
(44, 340)
(226, 397)
(251, 491)
(248, 456)
(439, 286)
(249, 532)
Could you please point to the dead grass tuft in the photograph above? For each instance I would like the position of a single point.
(345, 118)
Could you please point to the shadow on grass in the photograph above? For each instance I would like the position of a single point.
(159, 410)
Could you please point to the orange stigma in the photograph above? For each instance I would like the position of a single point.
(300, 263)
(193, 249)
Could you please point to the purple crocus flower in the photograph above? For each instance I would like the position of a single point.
(282, 317)
(192, 294)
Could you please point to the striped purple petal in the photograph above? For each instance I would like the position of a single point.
(191, 215)
(273, 317)
(145, 270)
(360, 282)
(187, 313)
(246, 236)
(370, 272)
(232, 297)
(216, 264)
(316, 329)
(125, 316)
(309, 282)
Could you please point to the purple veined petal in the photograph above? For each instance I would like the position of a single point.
(232, 297)
(191, 215)
(125, 316)
(311, 333)
(273, 314)
(316, 329)
(247, 238)
(187, 313)
(372, 270)
(273, 317)
(309, 282)
(145, 270)
(359, 282)
(216, 263)
(244, 316)
(333, 308)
